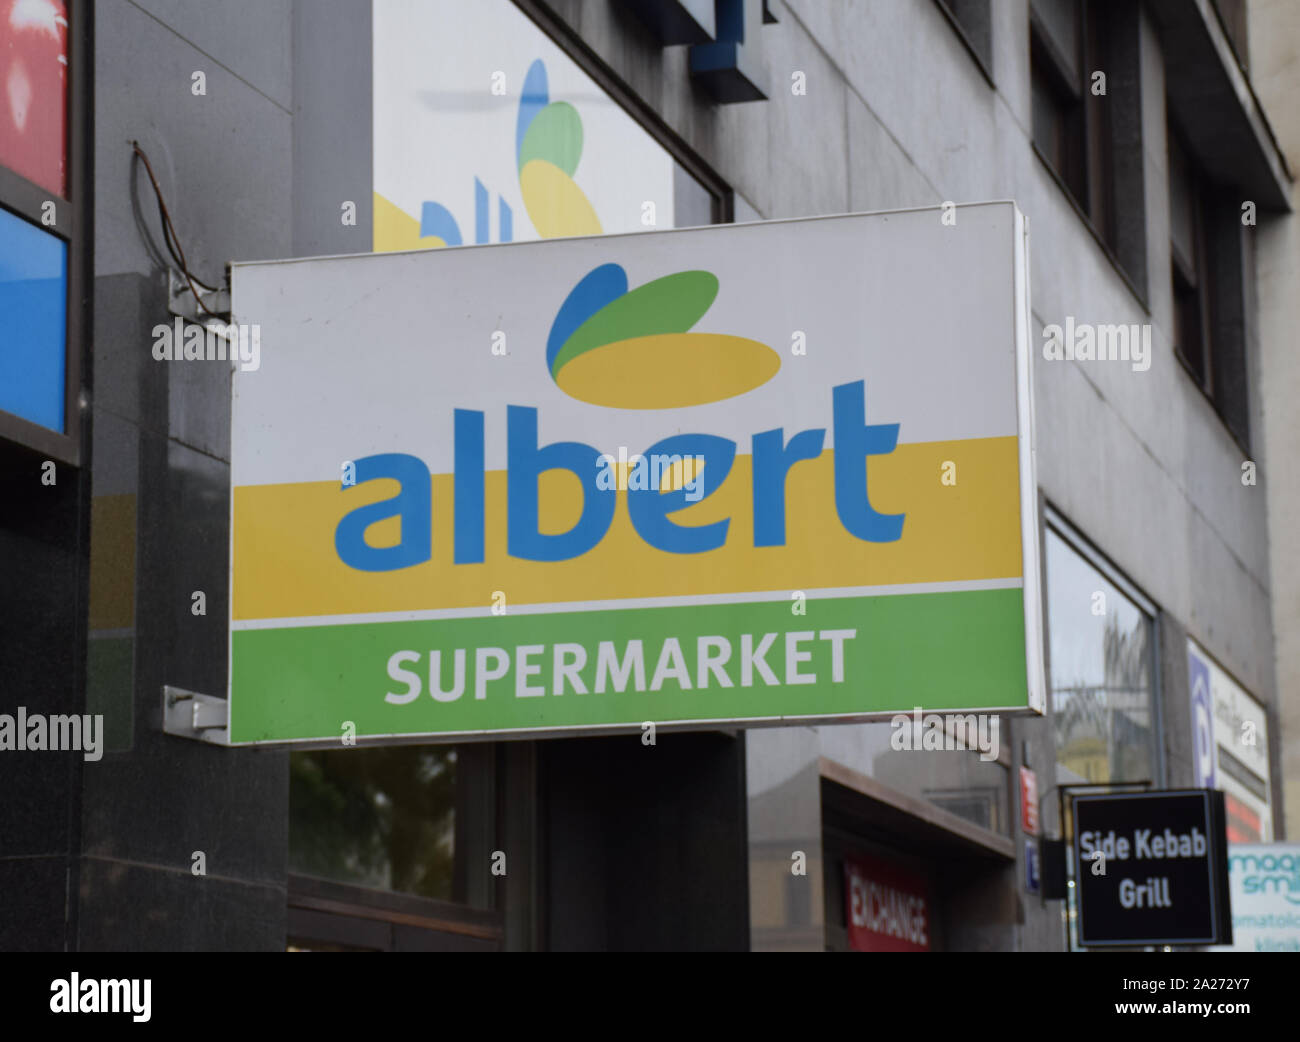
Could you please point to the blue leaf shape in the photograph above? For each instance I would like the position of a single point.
(534, 97)
(597, 288)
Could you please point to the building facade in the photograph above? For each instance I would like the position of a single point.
(1275, 76)
(1132, 135)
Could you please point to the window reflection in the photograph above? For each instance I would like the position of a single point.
(544, 152)
(956, 780)
(382, 818)
(1101, 673)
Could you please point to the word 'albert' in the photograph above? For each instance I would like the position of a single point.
(649, 508)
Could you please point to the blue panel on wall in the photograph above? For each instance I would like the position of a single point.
(33, 322)
(731, 68)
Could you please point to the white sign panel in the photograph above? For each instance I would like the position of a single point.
(752, 473)
(1230, 746)
(1264, 881)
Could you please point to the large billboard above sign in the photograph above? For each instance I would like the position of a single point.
(742, 474)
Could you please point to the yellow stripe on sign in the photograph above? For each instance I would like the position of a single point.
(285, 564)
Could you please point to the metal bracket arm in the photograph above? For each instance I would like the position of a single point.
(188, 714)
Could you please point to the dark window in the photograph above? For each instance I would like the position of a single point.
(974, 24)
(1206, 262)
(982, 806)
(382, 818)
(1191, 278)
(1189, 328)
(1087, 127)
(391, 848)
(1058, 117)
(410, 819)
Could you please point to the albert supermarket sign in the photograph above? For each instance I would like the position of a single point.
(735, 475)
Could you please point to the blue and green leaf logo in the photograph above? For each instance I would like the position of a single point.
(634, 349)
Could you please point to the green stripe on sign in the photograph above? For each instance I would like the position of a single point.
(740, 662)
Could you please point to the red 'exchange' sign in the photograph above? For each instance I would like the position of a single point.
(888, 910)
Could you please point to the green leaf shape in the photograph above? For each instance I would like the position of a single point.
(555, 135)
(671, 304)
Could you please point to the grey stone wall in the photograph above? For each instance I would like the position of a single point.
(224, 160)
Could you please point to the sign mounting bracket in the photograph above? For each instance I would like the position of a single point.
(188, 714)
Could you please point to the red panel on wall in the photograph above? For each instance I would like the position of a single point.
(34, 90)
(887, 907)
(1244, 825)
(1028, 801)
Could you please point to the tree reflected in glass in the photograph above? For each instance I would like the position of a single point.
(382, 818)
(1101, 675)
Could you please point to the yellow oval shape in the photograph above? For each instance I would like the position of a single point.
(555, 205)
(668, 370)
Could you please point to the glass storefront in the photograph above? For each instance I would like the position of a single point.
(1102, 680)
(376, 817)
(1102, 672)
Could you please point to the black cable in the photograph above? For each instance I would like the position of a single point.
(170, 238)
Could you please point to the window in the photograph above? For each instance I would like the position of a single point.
(1101, 644)
(383, 818)
(391, 848)
(1206, 271)
(1058, 105)
(1191, 277)
(508, 137)
(974, 24)
(1086, 113)
(1102, 669)
(40, 249)
(956, 779)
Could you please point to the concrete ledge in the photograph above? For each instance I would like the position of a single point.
(969, 835)
(1215, 106)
